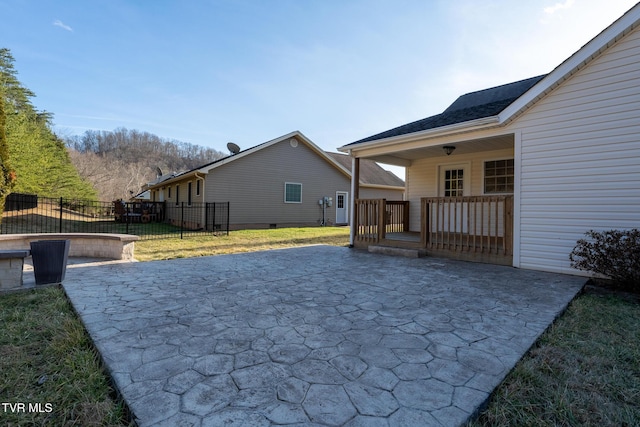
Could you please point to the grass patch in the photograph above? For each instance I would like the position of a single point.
(584, 371)
(240, 241)
(48, 360)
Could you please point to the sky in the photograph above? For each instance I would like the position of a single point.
(248, 71)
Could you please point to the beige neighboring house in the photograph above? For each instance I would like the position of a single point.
(516, 174)
(279, 183)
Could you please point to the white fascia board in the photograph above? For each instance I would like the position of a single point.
(176, 178)
(577, 61)
(471, 125)
(382, 186)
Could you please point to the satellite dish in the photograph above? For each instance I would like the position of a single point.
(158, 172)
(233, 148)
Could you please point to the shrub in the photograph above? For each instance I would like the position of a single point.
(613, 253)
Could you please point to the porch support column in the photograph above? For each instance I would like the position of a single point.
(355, 194)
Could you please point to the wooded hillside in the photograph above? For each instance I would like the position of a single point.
(120, 162)
(38, 159)
(103, 165)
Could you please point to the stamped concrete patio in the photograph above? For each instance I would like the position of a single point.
(312, 336)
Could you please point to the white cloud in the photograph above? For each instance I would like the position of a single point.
(558, 6)
(59, 23)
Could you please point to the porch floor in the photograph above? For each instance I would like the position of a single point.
(404, 236)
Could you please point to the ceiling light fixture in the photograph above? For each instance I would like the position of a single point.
(448, 149)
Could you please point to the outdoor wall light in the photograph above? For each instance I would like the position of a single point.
(448, 149)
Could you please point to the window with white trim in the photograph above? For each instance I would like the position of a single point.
(498, 176)
(292, 192)
(453, 182)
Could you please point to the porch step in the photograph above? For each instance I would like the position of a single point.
(405, 252)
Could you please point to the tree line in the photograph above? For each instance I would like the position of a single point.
(32, 158)
(98, 165)
(119, 163)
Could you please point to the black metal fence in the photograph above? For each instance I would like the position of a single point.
(26, 213)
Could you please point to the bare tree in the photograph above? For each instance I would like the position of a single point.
(121, 162)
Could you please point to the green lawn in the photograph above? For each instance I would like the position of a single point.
(240, 241)
(47, 360)
(584, 371)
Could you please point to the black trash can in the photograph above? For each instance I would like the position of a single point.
(50, 260)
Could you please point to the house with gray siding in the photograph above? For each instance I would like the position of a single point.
(279, 183)
(516, 174)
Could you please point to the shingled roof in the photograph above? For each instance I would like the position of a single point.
(370, 172)
(471, 106)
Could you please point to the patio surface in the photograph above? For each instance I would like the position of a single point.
(315, 335)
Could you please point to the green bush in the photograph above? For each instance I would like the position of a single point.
(614, 254)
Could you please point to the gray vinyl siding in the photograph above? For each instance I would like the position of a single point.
(580, 158)
(254, 186)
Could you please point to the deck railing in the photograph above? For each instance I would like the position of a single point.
(397, 216)
(376, 217)
(476, 224)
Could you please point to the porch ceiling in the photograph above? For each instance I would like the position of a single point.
(403, 155)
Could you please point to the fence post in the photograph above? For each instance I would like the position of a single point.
(206, 216)
(60, 221)
(228, 218)
(181, 219)
(213, 222)
(382, 218)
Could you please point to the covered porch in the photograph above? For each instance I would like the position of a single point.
(473, 228)
(459, 199)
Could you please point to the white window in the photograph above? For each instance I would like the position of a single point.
(454, 182)
(292, 192)
(498, 176)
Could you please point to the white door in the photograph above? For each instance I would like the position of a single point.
(342, 207)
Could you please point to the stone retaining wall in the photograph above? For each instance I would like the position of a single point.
(93, 245)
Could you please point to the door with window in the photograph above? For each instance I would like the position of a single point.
(454, 182)
(342, 207)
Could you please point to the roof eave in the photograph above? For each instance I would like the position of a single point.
(174, 179)
(297, 134)
(467, 126)
(383, 186)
